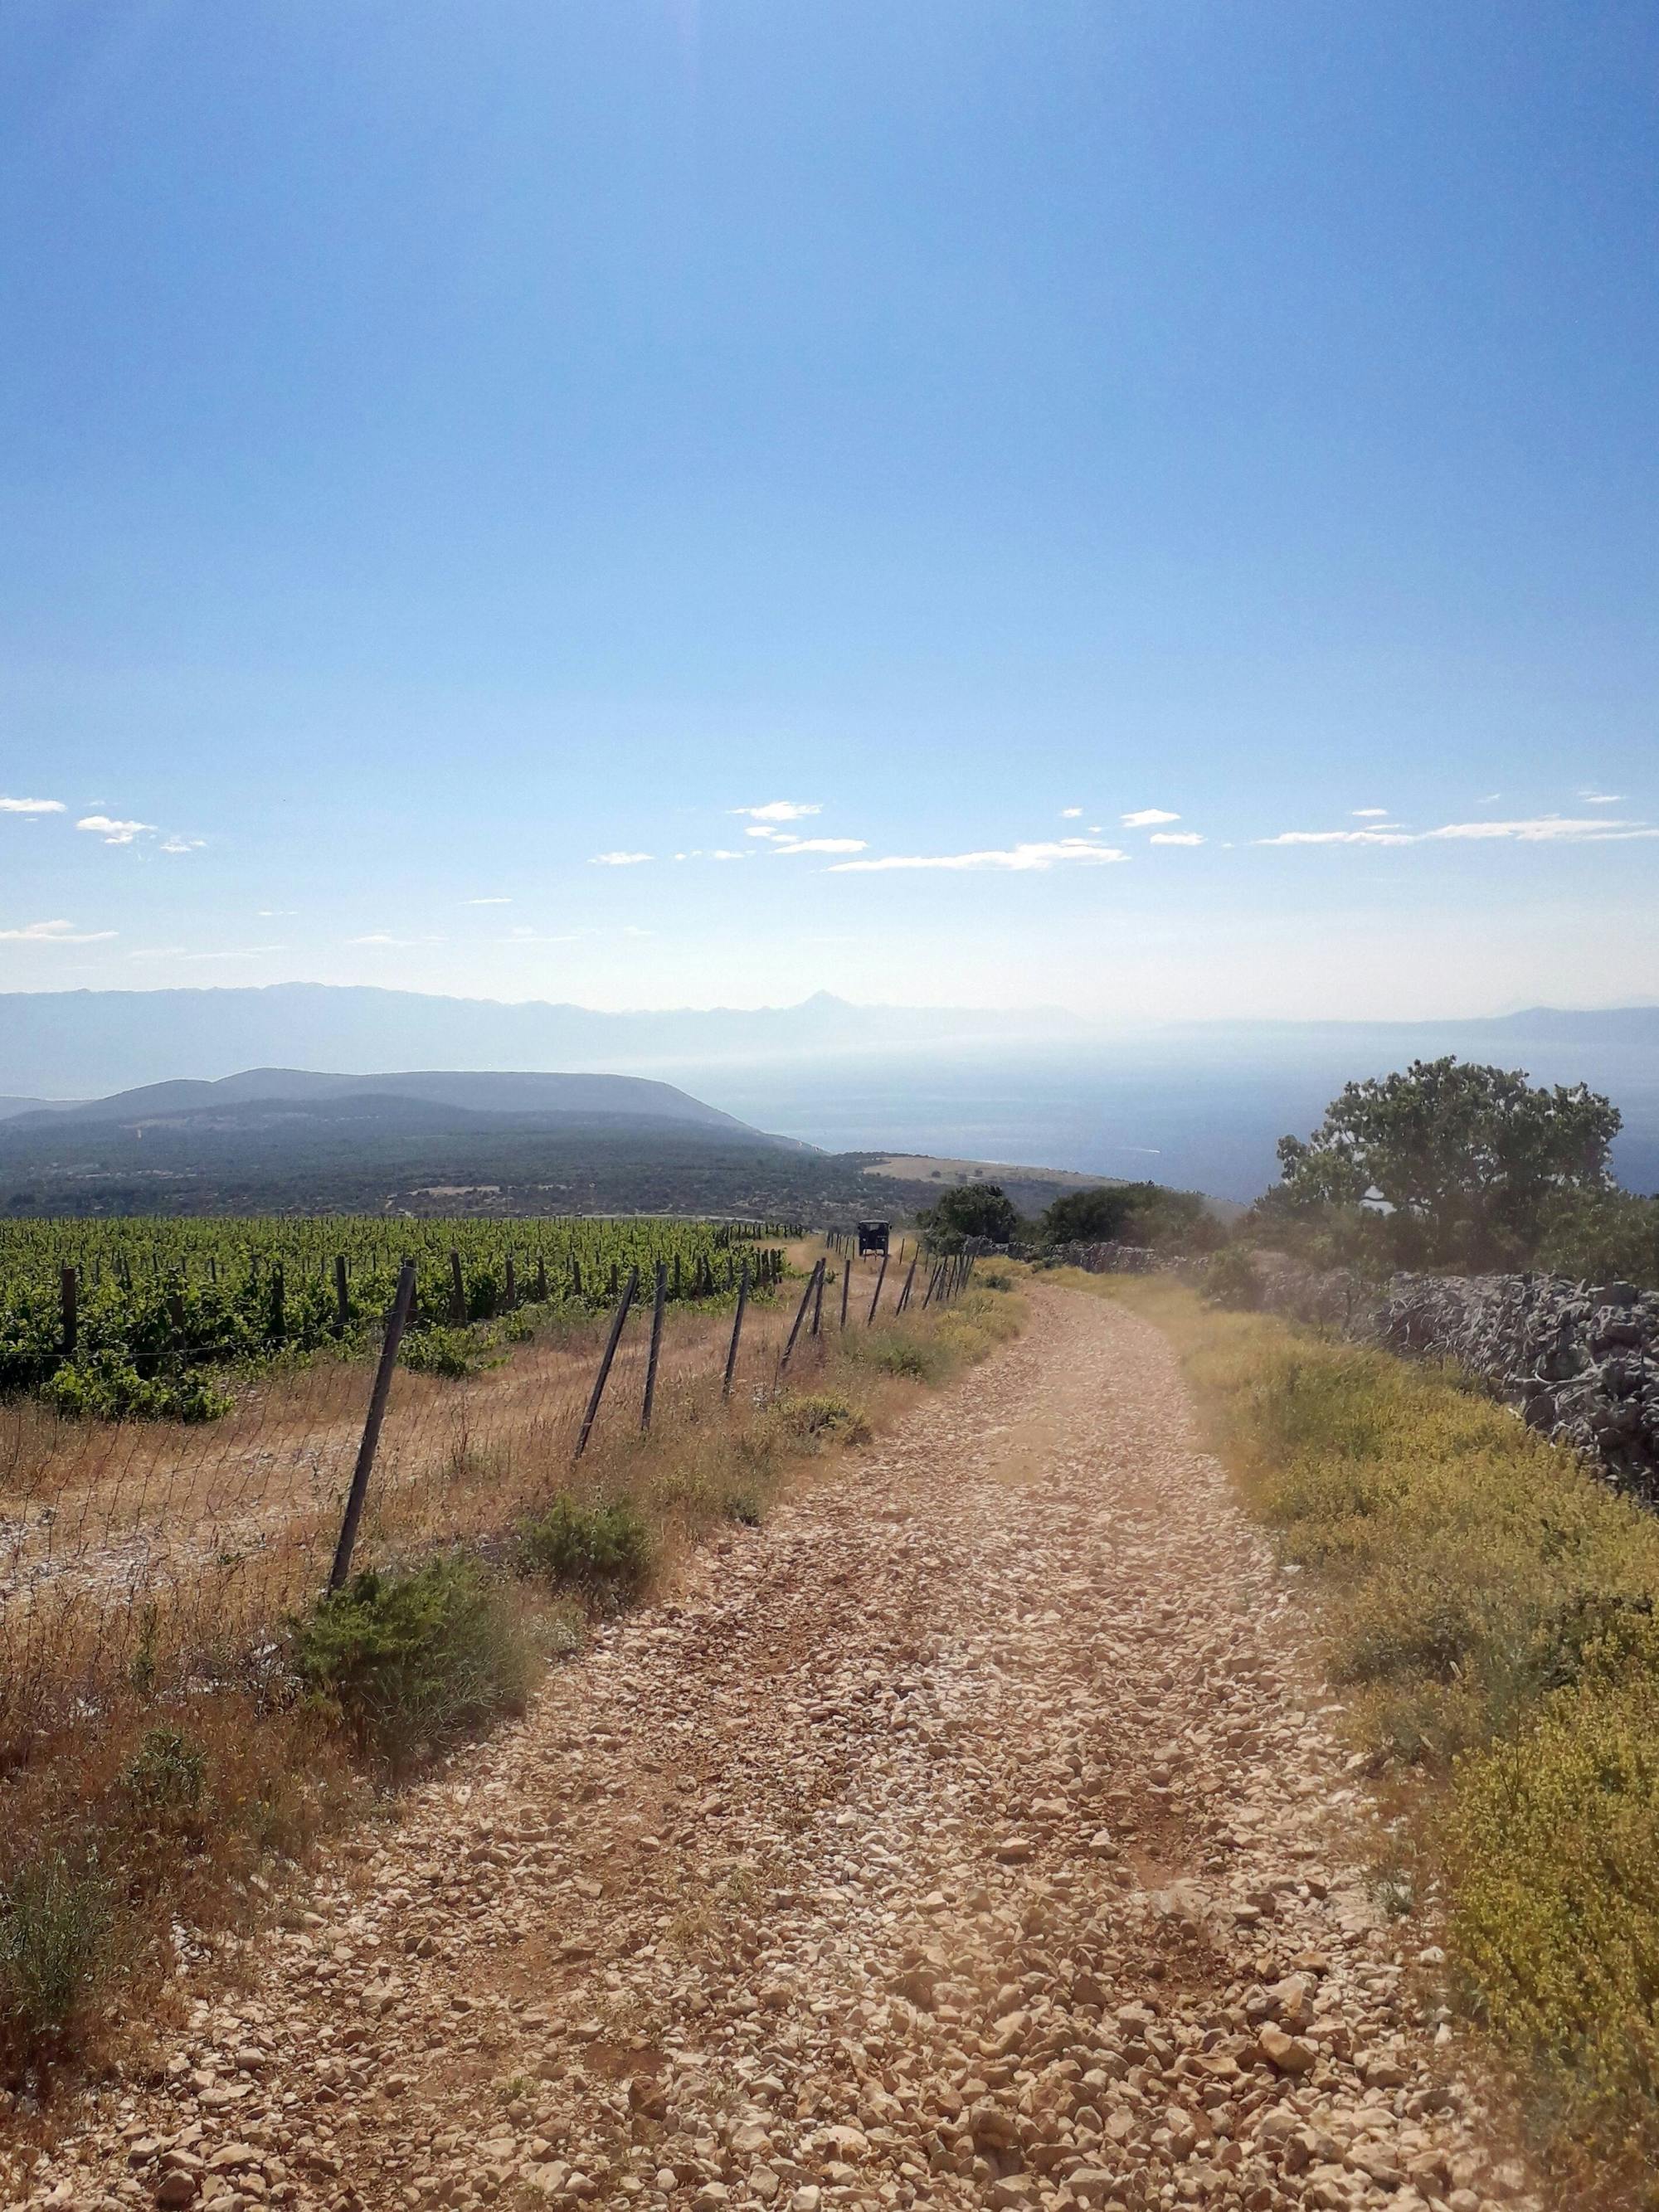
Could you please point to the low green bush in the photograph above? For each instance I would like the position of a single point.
(410, 1662)
(166, 1779)
(54, 1926)
(454, 1353)
(1230, 1279)
(819, 1416)
(604, 1551)
(106, 1386)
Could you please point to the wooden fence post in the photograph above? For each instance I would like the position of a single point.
(397, 1321)
(881, 1277)
(605, 1359)
(69, 1287)
(736, 1331)
(801, 1314)
(341, 1295)
(656, 1345)
(821, 1271)
(845, 1281)
(904, 1295)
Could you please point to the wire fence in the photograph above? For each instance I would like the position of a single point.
(134, 1552)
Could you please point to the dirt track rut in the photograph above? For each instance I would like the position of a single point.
(969, 1834)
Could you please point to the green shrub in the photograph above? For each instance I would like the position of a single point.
(451, 1351)
(410, 1661)
(105, 1386)
(817, 1417)
(1230, 1279)
(54, 1923)
(602, 1551)
(166, 1777)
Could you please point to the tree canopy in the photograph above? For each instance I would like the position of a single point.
(1471, 1158)
(969, 1210)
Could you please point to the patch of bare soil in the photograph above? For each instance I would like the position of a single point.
(969, 1835)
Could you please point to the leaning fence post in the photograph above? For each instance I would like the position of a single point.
(656, 1345)
(821, 1270)
(397, 1321)
(605, 1359)
(845, 1281)
(736, 1331)
(70, 1286)
(800, 1315)
(881, 1277)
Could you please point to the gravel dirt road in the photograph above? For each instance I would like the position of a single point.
(970, 1834)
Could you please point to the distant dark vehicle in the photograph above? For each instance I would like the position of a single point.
(872, 1236)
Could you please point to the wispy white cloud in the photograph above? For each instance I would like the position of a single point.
(1543, 830)
(31, 806)
(1018, 857)
(1549, 829)
(112, 832)
(227, 952)
(1147, 817)
(779, 810)
(54, 932)
(620, 860)
(1339, 837)
(1369, 813)
(487, 901)
(1601, 798)
(823, 845)
(1070, 814)
(385, 936)
(177, 844)
(1175, 837)
(276, 913)
(721, 855)
(762, 830)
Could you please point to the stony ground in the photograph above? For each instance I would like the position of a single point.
(969, 1835)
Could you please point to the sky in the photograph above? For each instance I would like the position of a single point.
(1140, 505)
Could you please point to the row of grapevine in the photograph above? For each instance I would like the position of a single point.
(138, 1317)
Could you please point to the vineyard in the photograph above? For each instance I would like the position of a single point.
(159, 1318)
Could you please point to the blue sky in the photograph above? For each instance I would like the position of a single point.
(442, 447)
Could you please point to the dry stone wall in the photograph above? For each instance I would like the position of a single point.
(1578, 1361)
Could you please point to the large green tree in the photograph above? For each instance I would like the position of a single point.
(1471, 1158)
(970, 1210)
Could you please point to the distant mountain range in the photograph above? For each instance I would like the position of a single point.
(272, 1095)
(79, 1044)
(1196, 1104)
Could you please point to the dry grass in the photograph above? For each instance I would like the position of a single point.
(166, 1619)
(1492, 1611)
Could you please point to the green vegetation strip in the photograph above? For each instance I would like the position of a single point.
(1491, 1613)
(164, 1310)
